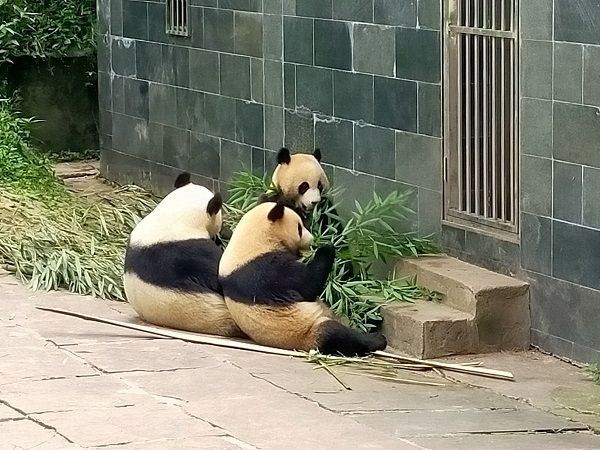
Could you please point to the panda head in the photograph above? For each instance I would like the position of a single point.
(300, 178)
(270, 227)
(190, 211)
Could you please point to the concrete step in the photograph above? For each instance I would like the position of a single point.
(480, 311)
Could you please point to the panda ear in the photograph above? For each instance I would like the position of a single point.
(215, 204)
(283, 157)
(317, 154)
(182, 179)
(276, 213)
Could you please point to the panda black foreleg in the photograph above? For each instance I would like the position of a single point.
(317, 271)
(335, 338)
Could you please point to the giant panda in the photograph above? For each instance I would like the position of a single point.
(273, 297)
(171, 263)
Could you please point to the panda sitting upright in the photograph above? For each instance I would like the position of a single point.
(171, 263)
(273, 297)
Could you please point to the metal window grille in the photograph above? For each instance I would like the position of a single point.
(177, 17)
(481, 159)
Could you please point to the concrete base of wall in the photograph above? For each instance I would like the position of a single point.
(480, 311)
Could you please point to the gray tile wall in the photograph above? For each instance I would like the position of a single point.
(359, 79)
(560, 173)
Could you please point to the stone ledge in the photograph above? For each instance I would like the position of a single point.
(480, 311)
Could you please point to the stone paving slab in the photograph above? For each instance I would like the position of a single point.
(539, 441)
(69, 383)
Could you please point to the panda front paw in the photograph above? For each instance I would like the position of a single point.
(326, 252)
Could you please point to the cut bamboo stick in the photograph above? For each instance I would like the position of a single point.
(491, 373)
(227, 342)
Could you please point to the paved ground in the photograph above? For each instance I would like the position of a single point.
(68, 383)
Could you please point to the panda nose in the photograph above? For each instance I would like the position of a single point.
(314, 202)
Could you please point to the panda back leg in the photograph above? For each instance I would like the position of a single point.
(335, 338)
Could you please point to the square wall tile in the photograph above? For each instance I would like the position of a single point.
(176, 148)
(429, 13)
(190, 110)
(249, 123)
(116, 17)
(204, 71)
(176, 65)
(577, 23)
(136, 97)
(536, 69)
(567, 191)
(357, 187)
(272, 37)
(430, 213)
(135, 19)
(333, 44)
(335, 139)
(536, 185)
(395, 12)
(248, 34)
(235, 76)
(419, 160)
(591, 76)
(274, 128)
(536, 127)
(353, 96)
(577, 134)
(298, 40)
(314, 8)
(234, 158)
(430, 109)
(163, 104)
(576, 254)
(299, 131)
(314, 89)
(418, 54)
(148, 61)
(536, 243)
(258, 161)
(218, 30)
(289, 86)
(220, 116)
(536, 19)
(568, 72)
(353, 10)
(257, 79)
(205, 155)
(123, 56)
(374, 49)
(395, 103)
(272, 6)
(273, 73)
(591, 197)
(374, 151)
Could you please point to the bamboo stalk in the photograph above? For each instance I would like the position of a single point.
(491, 373)
(398, 380)
(331, 372)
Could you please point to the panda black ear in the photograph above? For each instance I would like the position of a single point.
(215, 204)
(276, 213)
(182, 179)
(317, 154)
(283, 157)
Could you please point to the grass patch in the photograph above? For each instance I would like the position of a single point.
(593, 371)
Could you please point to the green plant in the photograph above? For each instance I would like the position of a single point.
(593, 371)
(42, 28)
(352, 291)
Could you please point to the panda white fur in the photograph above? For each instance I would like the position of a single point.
(273, 297)
(171, 263)
(299, 179)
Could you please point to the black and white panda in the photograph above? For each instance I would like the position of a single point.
(299, 181)
(171, 263)
(273, 297)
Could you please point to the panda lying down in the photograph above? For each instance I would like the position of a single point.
(175, 275)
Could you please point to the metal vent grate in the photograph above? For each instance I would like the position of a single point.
(481, 152)
(177, 17)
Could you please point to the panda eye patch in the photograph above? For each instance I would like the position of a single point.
(303, 188)
(300, 230)
(320, 186)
